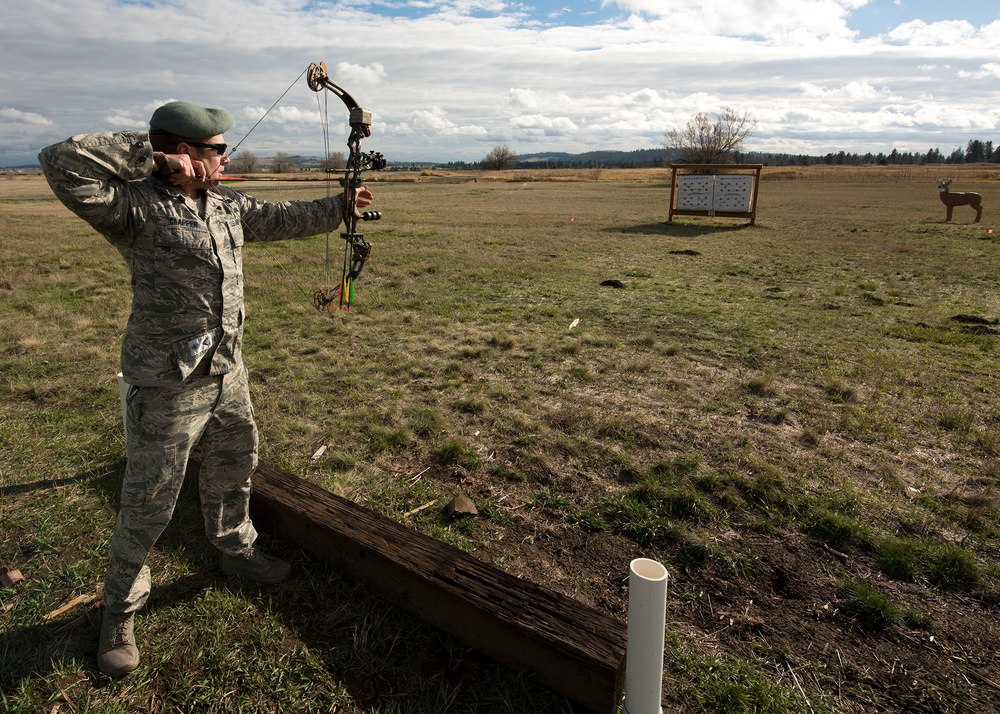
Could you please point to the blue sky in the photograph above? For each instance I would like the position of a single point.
(880, 17)
(571, 12)
(451, 79)
(870, 19)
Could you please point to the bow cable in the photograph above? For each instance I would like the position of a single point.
(323, 105)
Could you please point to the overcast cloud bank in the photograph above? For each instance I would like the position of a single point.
(448, 80)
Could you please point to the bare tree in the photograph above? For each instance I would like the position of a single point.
(704, 141)
(282, 163)
(499, 158)
(334, 162)
(243, 162)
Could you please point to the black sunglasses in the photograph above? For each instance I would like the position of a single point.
(219, 148)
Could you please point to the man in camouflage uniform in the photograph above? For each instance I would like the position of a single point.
(155, 197)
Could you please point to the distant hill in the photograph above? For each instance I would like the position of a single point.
(639, 158)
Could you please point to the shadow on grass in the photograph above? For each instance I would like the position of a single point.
(99, 478)
(388, 660)
(33, 645)
(316, 637)
(681, 229)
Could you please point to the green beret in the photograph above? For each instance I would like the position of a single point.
(191, 121)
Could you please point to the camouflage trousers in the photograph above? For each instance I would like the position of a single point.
(164, 424)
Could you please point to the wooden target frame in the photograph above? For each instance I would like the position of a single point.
(714, 190)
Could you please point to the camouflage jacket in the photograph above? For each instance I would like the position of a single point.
(185, 256)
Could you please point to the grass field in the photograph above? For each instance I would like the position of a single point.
(798, 418)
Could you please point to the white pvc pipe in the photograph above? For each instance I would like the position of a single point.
(647, 617)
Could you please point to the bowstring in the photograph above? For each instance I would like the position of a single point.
(233, 151)
(324, 120)
(323, 105)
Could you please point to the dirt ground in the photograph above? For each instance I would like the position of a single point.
(783, 612)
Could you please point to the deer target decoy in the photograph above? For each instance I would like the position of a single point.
(967, 198)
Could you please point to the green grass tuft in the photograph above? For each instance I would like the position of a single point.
(548, 499)
(871, 609)
(838, 531)
(589, 520)
(950, 567)
(453, 452)
(898, 559)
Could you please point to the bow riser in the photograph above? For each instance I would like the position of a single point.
(356, 249)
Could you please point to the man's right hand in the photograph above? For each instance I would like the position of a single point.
(180, 169)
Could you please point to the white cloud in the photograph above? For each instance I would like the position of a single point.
(797, 21)
(524, 99)
(947, 33)
(464, 75)
(435, 121)
(988, 70)
(852, 91)
(918, 32)
(16, 116)
(282, 115)
(351, 74)
(535, 100)
(126, 121)
(548, 125)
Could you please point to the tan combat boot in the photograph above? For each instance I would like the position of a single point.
(117, 654)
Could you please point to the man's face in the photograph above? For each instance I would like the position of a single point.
(210, 152)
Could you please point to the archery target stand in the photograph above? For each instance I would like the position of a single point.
(714, 190)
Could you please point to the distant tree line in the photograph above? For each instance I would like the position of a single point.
(976, 151)
(637, 159)
(502, 157)
(246, 162)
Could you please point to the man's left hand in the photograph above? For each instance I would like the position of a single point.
(362, 198)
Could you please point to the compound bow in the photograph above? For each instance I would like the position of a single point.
(356, 249)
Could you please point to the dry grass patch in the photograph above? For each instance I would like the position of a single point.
(770, 411)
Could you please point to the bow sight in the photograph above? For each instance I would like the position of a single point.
(357, 249)
(372, 161)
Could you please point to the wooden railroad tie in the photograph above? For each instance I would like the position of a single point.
(570, 647)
